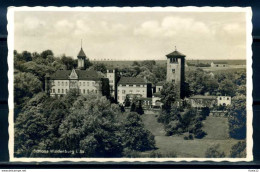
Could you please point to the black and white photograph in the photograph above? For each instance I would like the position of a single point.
(130, 84)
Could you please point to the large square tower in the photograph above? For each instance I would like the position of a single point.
(175, 71)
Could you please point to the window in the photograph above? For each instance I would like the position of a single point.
(58, 90)
(227, 98)
(83, 83)
(220, 98)
(62, 91)
(66, 83)
(131, 91)
(118, 98)
(96, 91)
(173, 80)
(87, 83)
(79, 83)
(62, 83)
(84, 91)
(58, 83)
(66, 90)
(173, 60)
(123, 91)
(53, 90)
(50, 90)
(93, 83)
(130, 85)
(173, 70)
(88, 90)
(159, 89)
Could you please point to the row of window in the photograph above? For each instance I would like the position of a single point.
(124, 85)
(220, 98)
(131, 91)
(66, 91)
(80, 83)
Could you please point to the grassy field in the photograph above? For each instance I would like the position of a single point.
(216, 127)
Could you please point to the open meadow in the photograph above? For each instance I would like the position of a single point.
(215, 127)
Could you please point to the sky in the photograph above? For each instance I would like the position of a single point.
(132, 35)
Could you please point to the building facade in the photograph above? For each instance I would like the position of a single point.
(131, 86)
(200, 101)
(84, 81)
(112, 76)
(219, 64)
(176, 71)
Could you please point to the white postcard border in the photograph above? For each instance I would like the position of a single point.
(249, 139)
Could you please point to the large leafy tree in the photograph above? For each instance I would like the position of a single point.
(135, 136)
(168, 95)
(227, 87)
(25, 86)
(31, 126)
(237, 117)
(92, 127)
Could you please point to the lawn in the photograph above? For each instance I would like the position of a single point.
(216, 127)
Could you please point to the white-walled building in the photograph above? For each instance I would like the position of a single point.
(131, 86)
(84, 81)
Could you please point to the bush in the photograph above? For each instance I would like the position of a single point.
(238, 150)
(199, 134)
(214, 152)
(190, 137)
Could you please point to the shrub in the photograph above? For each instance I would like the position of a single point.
(190, 137)
(214, 152)
(199, 134)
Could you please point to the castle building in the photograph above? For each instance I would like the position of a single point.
(132, 87)
(176, 71)
(84, 81)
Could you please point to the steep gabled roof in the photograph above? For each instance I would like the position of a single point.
(82, 75)
(82, 54)
(131, 80)
(175, 54)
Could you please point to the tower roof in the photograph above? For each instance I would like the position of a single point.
(82, 54)
(175, 54)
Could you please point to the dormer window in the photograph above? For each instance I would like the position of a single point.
(173, 70)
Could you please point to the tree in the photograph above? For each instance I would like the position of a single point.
(68, 62)
(214, 152)
(139, 108)
(238, 150)
(237, 117)
(135, 136)
(92, 126)
(127, 102)
(227, 87)
(25, 86)
(168, 95)
(31, 126)
(100, 67)
(133, 107)
(45, 54)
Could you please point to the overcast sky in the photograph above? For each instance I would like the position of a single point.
(133, 36)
